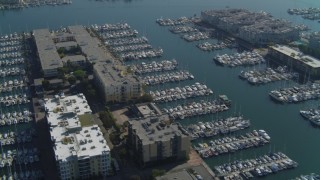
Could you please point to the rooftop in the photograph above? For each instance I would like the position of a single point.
(297, 55)
(89, 45)
(113, 75)
(47, 51)
(72, 135)
(152, 129)
(73, 58)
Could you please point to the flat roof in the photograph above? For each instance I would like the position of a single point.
(73, 58)
(299, 56)
(70, 138)
(156, 128)
(113, 75)
(66, 44)
(47, 51)
(89, 45)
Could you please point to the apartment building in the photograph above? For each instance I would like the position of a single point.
(80, 151)
(154, 139)
(305, 64)
(115, 85)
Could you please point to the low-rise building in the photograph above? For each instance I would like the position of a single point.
(305, 64)
(155, 139)
(80, 148)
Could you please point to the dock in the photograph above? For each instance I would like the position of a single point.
(261, 166)
(232, 144)
(195, 109)
(172, 77)
(216, 127)
(177, 93)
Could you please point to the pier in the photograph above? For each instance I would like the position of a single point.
(268, 75)
(216, 127)
(233, 144)
(239, 59)
(164, 65)
(195, 109)
(297, 93)
(257, 167)
(176, 76)
(125, 43)
(173, 94)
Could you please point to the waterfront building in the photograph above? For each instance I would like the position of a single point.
(256, 28)
(115, 84)
(155, 139)
(74, 37)
(305, 64)
(80, 149)
(49, 58)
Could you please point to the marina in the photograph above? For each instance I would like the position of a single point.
(173, 22)
(206, 46)
(177, 93)
(313, 115)
(306, 13)
(34, 3)
(171, 77)
(232, 144)
(164, 65)
(182, 29)
(195, 36)
(268, 75)
(195, 109)
(125, 43)
(312, 176)
(296, 94)
(216, 127)
(239, 59)
(258, 167)
(19, 158)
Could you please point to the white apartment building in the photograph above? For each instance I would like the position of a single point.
(80, 151)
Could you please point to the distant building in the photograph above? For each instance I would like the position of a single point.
(306, 64)
(153, 140)
(255, 28)
(80, 148)
(114, 84)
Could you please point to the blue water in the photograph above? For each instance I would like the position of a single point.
(289, 132)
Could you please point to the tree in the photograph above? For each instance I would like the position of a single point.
(79, 74)
(72, 80)
(157, 172)
(46, 84)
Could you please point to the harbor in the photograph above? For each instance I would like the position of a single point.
(268, 75)
(239, 59)
(206, 46)
(217, 127)
(177, 93)
(269, 116)
(306, 13)
(173, 22)
(125, 42)
(164, 65)
(296, 94)
(172, 77)
(258, 167)
(19, 159)
(192, 109)
(231, 144)
(313, 115)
